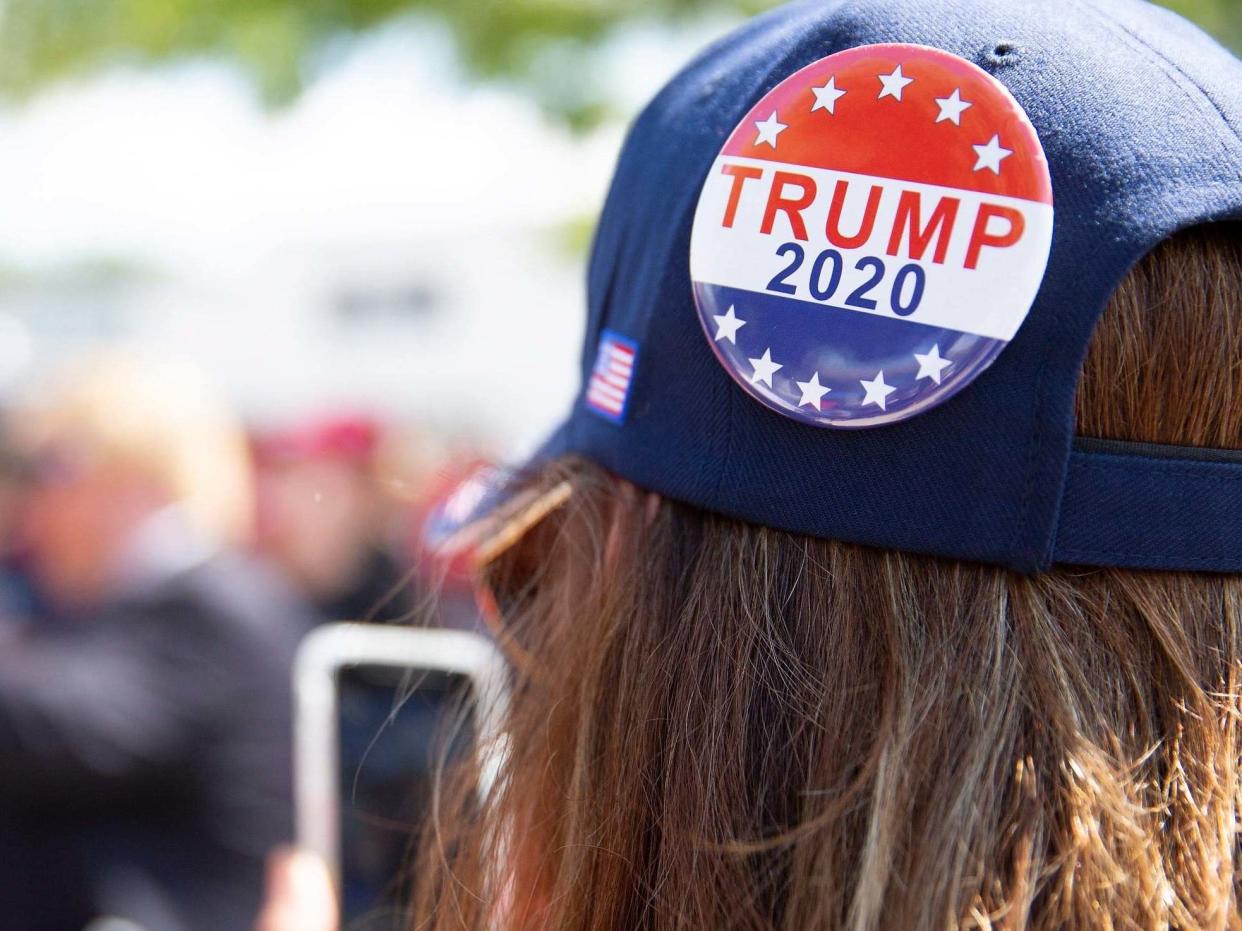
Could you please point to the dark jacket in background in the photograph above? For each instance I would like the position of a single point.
(145, 757)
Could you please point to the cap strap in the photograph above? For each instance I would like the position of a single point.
(1140, 506)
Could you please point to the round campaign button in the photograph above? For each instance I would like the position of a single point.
(872, 236)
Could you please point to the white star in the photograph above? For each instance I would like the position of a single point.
(932, 364)
(812, 392)
(765, 368)
(991, 155)
(877, 392)
(952, 107)
(894, 84)
(727, 325)
(769, 130)
(826, 97)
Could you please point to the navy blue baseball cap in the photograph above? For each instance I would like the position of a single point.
(732, 362)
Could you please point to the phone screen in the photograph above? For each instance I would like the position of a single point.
(397, 727)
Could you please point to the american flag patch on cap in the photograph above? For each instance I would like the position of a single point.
(608, 392)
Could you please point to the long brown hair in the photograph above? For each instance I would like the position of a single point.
(723, 726)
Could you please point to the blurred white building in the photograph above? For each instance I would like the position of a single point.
(395, 242)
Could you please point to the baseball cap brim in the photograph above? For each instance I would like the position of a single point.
(494, 507)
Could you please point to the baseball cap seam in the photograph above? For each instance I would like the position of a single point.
(1183, 80)
(1045, 550)
(1190, 564)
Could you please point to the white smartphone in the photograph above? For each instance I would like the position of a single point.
(377, 712)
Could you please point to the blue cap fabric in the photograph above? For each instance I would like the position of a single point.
(1139, 115)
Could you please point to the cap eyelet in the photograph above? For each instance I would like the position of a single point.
(1004, 54)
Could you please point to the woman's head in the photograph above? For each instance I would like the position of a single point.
(722, 725)
(118, 437)
(889, 649)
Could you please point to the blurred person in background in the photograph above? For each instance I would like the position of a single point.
(19, 602)
(146, 740)
(326, 520)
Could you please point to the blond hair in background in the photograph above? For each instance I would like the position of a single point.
(161, 417)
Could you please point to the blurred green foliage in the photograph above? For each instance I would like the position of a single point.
(539, 43)
(1223, 18)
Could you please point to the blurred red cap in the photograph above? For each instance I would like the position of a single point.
(351, 438)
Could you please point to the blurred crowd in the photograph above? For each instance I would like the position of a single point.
(159, 563)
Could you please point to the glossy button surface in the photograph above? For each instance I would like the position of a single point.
(872, 236)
